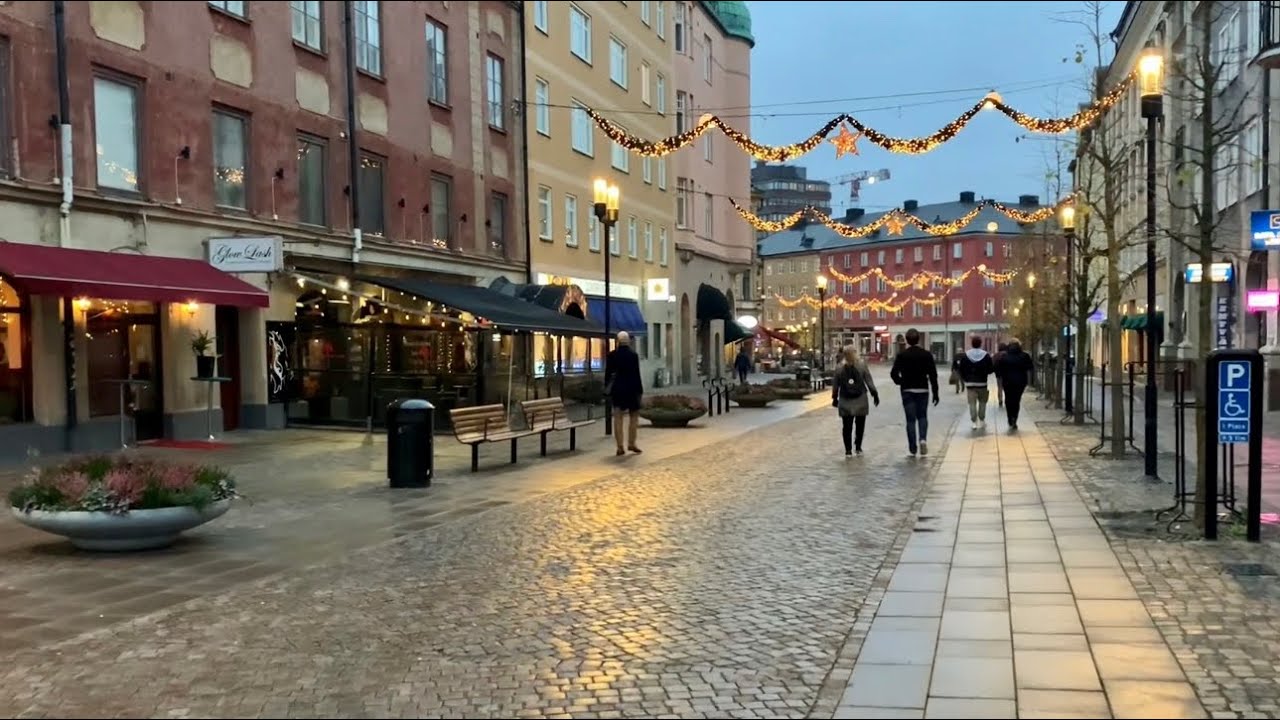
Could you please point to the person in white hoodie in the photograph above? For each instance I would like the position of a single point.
(975, 367)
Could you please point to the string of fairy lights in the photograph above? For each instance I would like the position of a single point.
(917, 281)
(896, 220)
(853, 130)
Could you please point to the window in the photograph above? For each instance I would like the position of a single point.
(542, 111)
(441, 201)
(497, 108)
(115, 126)
(580, 34)
(312, 208)
(989, 250)
(660, 93)
(617, 62)
(662, 240)
(583, 139)
(373, 208)
(614, 244)
(918, 254)
(544, 213)
(880, 258)
(633, 240)
(848, 261)
(683, 201)
(540, 14)
(662, 173)
(644, 11)
(1252, 160)
(1006, 249)
(230, 150)
(437, 63)
(863, 259)
(15, 357)
(957, 307)
(647, 164)
(681, 41)
(988, 307)
(232, 7)
(306, 23)
(1252, 29)
(619, 157)
(707, 215)
(937, 251)
(570, 221)
(6, 108)
(898, 255)
(368, 37)
(593, 233)
(497, 223)
(682, 107)
(957, 251)
(937, 309)
(660, 19)
(707, 60)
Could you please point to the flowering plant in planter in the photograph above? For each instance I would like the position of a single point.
(671, 410)
(752, 395)
(118, 485)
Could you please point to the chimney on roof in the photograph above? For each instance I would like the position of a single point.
(1028, 199)
(853, 214)
(806, 242)
(910, 205)
(967, 196)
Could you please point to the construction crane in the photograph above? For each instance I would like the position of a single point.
(855, 181)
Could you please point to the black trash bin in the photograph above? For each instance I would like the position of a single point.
(804, 374)
(410, 443)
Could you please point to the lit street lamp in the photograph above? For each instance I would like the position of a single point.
(822, 323)
(1067, 221)
(1150, 86)
(607, 198)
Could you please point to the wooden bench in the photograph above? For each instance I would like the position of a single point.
(482, 424)
(550, 415)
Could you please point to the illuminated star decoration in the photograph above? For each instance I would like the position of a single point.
(895, 225)
(845, 142)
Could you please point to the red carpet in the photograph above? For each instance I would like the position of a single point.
(186, 444)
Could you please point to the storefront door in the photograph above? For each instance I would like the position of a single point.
(122, 342)
(228, 333)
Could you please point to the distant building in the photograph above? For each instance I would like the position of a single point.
(784, 189)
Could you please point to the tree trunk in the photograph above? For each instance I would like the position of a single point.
(1115, 359)
(1082, 347)
(1204, 343)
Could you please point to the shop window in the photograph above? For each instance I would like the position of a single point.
(121, 343)
(15, 357)
(373, 206)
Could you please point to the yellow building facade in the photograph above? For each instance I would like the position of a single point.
(614, 57)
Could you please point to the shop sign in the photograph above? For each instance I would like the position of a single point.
(623, 291)
(245, 254)
(658, 290)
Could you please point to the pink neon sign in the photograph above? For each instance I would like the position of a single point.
(1258, 300)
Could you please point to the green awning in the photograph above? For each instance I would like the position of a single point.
(1139, 322)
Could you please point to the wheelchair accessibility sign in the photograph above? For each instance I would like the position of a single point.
(1234, 422)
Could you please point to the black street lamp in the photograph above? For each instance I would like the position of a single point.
(822, 323)
(1067, 221)
(606, 209)
(1150, 81)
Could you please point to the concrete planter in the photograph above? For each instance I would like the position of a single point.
(664, 418)
(134, 530)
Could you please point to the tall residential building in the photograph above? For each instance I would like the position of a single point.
(714, 247)
(784, 189)
(205, 186)
(616, 58)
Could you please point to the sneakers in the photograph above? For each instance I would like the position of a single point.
(859, 451)
(973, 424)
(924, 448)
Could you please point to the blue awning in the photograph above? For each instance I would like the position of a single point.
(624, 315)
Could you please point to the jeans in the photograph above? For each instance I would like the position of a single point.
(978, 397)
(1013, 402)
(847, 425)
(915, 405)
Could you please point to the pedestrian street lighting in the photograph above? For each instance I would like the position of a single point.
(822, 319)
(1151, 90)
(607, 198)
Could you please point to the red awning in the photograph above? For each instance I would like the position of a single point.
(772, 334)
(64, 272)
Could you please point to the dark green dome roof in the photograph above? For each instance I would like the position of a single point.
(734, 17)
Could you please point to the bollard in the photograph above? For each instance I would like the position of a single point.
(728, 386)
(711, 408)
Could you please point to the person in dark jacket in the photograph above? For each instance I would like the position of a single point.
(742, 364)
(1001, 348)
(975, 367)
(1014, 369)
(849, 390)
(916, 374)
(624, 386)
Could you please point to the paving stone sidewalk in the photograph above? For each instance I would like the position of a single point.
(1009, 602)
(1217, 604)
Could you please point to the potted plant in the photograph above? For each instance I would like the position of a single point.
(121, 503)
(790, 388)
(671, 411)
(206, 362)
(750, 395)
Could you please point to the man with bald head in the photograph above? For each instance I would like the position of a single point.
(624, 387)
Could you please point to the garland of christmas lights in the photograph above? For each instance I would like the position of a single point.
(846, 141)
(897, 220)
(918, 281)
(888, 305)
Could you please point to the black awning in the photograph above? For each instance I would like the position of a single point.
(507, 312)
(713, 305)
(733, 332)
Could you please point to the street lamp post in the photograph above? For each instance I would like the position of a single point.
(607, 198)
(1067, 221)
(1150, 81)
(1031, 322)
(822, 323)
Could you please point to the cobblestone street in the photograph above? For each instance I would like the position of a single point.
(722, 582)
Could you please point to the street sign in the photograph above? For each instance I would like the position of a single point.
(1225, 319)
(1234, 421)
(1264, 227)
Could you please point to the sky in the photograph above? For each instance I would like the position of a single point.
(908, 68)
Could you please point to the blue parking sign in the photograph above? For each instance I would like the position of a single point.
(1234, 421)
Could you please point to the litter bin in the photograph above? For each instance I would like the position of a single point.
(804, 374)
(410, 443)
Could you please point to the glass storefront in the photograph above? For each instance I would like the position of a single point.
(122, 343)
(15, 358)
(567, 355)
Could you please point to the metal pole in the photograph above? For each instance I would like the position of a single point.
(1149, 409)
(608, 327)
(822, 329)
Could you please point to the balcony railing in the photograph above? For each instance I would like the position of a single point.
(1269, 28)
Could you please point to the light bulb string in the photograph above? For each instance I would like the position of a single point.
(897, 219)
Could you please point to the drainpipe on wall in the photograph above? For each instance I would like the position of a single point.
(353, 146)
(64, 216)
(524, 142)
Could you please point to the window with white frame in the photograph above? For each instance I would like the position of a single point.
(707, 60)
(644, 11)
(662, 173)
(648, 241)
(441, 204)
(864, 313)
(957, 251)
(987, 281)
(580, 34)
(957, 307)
(583, 131)
(1227, 50)
(593, 232)
(937, 251)
(848, 261)
(1252, 29)
(937, 309)
(898, 255)
(1007, 250)
(880, 258)
(619, 157)
(615, 244)
(571, 221)
(540, 15)
(684, 201)
(116, 137)
(662, 247)
(633, 244)
(496, 101)
(918, 254)
(617, 62)
(988, 307)
(437, 63)
(544, 213)
(1252, 160)
(989, 250)
(368, 36)
(660, 19)
(646, 166)
(681, 39)
(707, 214)
(682, 109)
(542, 111)
(863, 259)
(660, 94)
(230, 159)
(306, 25)
(231, 7)
(646, 96)
(706, 147)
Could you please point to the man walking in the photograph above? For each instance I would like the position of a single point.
(915, 372)
(1013, 370)
(975, 367)
(624, 386)
(742, 364)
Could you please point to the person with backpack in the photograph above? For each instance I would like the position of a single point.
(975, 367)
(1013, 370)
(849, 391)
(915, 372)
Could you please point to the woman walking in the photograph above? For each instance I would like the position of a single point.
(849, 392)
